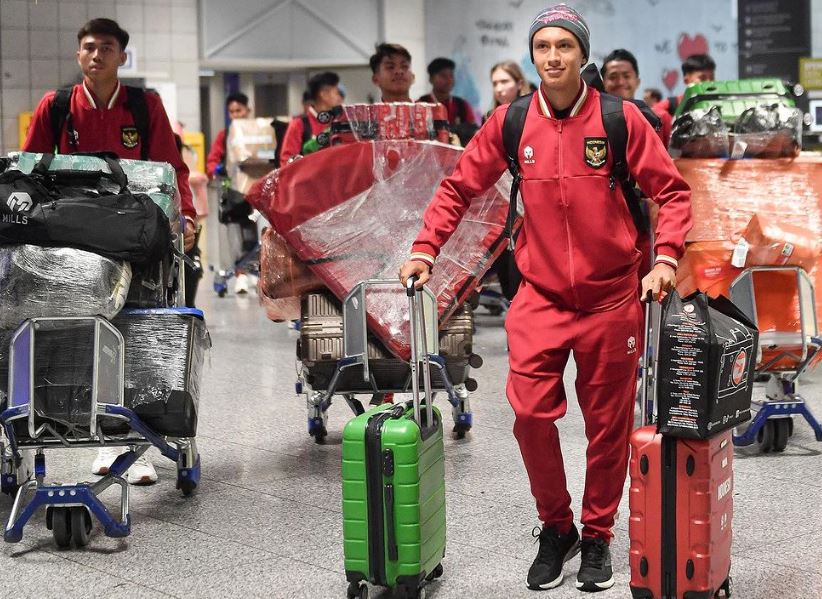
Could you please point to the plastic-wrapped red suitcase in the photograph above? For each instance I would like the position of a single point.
(681, 511)
(351, 212)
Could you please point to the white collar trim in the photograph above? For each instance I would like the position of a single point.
(90, 97)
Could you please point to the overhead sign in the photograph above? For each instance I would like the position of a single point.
(773, 36)
(810, 73)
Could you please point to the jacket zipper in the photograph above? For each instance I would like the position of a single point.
(561, 180)
(374, 487)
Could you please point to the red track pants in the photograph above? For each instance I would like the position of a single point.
(606, 347)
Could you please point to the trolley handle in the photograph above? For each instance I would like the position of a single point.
(419, 341)
(647, 362)
(410, 283)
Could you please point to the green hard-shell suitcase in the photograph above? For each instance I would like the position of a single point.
(393, 476)
(734, 97)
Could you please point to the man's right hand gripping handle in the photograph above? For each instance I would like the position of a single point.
(415, 268)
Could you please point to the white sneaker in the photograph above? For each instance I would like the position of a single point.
(253, 280)
(104, 459)
(241, 284)
(142, 472)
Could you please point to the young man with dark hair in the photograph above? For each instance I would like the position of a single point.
(651, 95)
(391, 68)
(104, 116)
(576, 251)
(620, 74)
(696, 69)
(236, 105)
(620, 77)
(441, 76)
(325, 94)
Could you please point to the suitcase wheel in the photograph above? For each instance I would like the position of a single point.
(357, 590)
(406, 593)
(436, 573)
(726, 586)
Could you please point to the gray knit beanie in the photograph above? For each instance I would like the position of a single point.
(561, 15)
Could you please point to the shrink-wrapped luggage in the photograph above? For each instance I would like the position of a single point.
(284, 278)
(164, 354)
(351, 213)
(37, 281)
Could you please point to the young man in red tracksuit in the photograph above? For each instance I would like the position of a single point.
(237, 107)
(325, 93)
(696, 69)
(578, 259)
(99, 120)
(441, 77)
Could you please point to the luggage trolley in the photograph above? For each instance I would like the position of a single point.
(248, 263)
(359, 353)
(41, 415)
(785, 356)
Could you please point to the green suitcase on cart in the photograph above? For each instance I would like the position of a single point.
(393, 476)
(734, 97)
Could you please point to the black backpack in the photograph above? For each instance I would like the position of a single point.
(673, 104)
(60, 116)
(616, 130)
(72, 209)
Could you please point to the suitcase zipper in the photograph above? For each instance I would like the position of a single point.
(388, 473)
(669, 547)
(374, 486)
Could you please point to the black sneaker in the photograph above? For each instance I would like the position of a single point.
(554, 550)
(595, 573)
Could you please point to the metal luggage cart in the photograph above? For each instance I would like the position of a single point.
(356, 356)
(785, 356)
(39, 418)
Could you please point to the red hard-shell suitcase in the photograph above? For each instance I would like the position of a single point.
(681, 511)
(681, 503)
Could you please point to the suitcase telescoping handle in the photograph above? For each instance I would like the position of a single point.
(648, 363)
(416, 317)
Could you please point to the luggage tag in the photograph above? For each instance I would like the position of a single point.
(740, 253)
(738, 151)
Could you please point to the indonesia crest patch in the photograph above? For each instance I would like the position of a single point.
(129, 137)
(596, 151)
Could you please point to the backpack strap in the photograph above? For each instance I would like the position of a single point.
(60, 116)
(306, 128)
(512, 128)
(673, 104)
(616, 130)
(136, 103)
(462, 109)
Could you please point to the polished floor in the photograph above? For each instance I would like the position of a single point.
(266, 521)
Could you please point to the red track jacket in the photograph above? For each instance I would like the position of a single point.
(216, 155)
(578, 241)
(293, 139)
(101, 130)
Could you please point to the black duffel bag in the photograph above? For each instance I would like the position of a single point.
(72, 209)
(233, 207)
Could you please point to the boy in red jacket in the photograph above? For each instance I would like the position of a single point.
(578, 259)
(101, 120)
